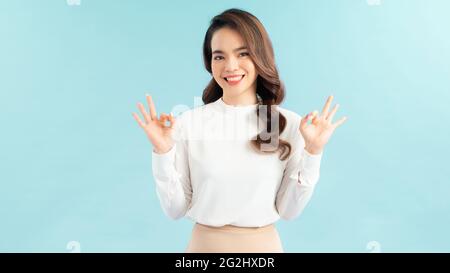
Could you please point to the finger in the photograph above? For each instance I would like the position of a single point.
(139, 121)
(163, 118)
(144, 112)
(169, 118)
(327, 106)
(331, 115)
(304, 121)
(151, 107)
(314, 117)
(172, 120)
(339, 122)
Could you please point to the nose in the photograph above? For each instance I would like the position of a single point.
(232, 64)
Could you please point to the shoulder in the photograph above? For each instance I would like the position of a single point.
(289, 114)
(292, 119)
(185, 114)
(292, 132)
(190, 120)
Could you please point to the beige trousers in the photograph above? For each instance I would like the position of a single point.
(233, 239)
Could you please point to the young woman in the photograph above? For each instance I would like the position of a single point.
(240, 162)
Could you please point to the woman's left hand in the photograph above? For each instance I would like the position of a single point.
(317, 134)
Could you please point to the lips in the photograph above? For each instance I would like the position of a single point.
(234, 79)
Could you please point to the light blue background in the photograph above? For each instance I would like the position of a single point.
(75, 166)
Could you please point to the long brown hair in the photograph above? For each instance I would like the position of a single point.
(269, 87)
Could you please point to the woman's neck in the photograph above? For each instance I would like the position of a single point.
(245, 98)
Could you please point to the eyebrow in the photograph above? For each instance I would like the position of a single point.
(221, 52)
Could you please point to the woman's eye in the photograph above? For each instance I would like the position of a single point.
(218, 58)
(244, 54)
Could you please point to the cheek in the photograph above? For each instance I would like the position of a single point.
(250, 68)
(216, 71)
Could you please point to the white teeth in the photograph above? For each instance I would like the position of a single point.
(232, 79)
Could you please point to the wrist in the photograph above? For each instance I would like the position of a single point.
(161, 151)
(313, 150)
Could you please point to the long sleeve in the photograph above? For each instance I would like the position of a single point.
(172, 179)
(299, 179)
(212, 175)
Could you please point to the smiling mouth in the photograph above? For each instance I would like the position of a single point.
(234, 79)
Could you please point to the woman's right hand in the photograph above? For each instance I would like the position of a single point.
(157, 132)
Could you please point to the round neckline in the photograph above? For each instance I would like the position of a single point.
(236, 108)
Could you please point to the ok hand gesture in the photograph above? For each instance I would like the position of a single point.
(317, 134)
(157, 132)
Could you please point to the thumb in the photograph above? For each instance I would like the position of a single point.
(162, 119)
(304, 121)
(172, 120)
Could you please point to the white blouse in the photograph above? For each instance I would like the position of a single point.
(215, 177)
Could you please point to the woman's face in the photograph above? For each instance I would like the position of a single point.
(232, 67)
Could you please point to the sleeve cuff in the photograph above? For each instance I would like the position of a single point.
(163, 162)
(311, 161)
